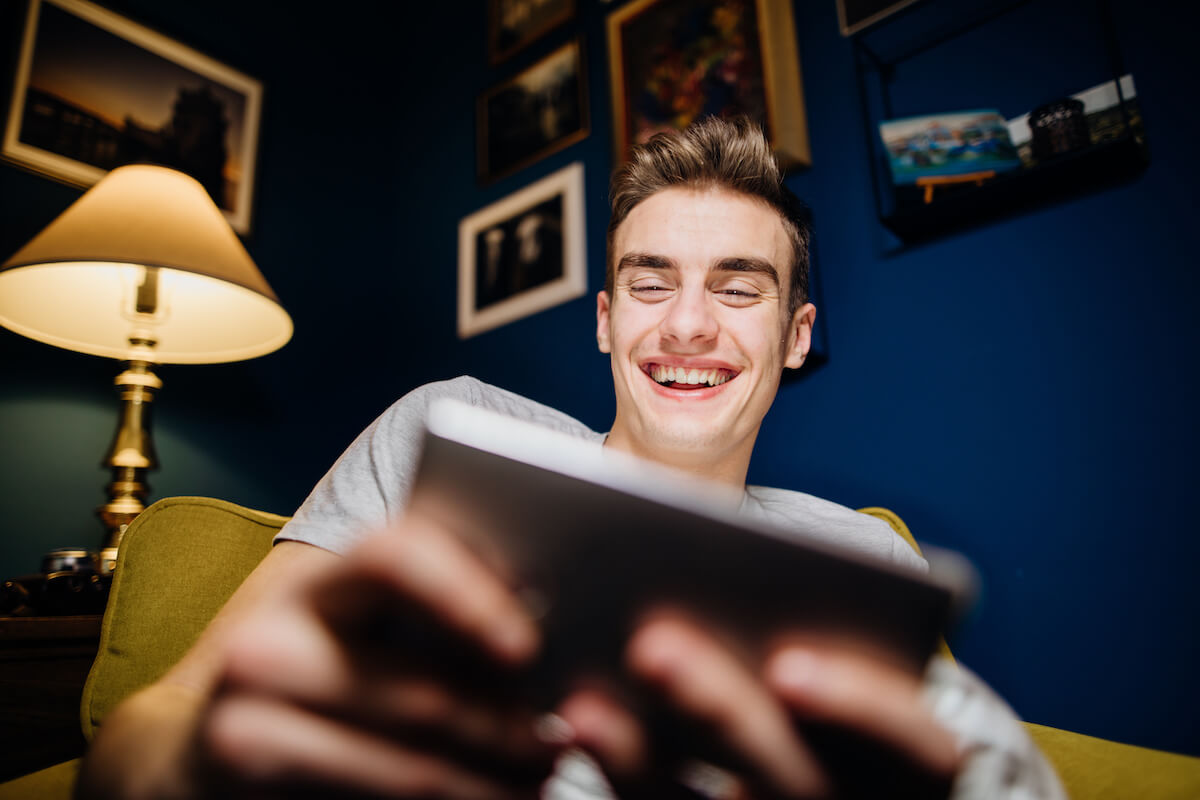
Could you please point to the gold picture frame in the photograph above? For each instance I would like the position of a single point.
(745, 60)
(539, 111)
(514, 24)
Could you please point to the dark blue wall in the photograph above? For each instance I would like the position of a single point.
(1023, 391)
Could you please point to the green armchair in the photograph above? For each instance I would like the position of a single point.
(183, 557)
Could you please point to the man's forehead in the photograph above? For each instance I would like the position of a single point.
(708, 224)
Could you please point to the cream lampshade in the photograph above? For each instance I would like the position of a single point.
(142, 268)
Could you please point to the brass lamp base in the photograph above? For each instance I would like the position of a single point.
(130, 455)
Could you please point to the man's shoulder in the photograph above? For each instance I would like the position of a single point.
(826, 520)
(484, 395)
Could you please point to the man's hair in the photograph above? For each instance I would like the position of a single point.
(731, 154)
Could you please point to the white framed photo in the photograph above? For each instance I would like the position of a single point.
(522, 254)
(95, 91)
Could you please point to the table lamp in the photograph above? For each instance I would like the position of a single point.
(142, 268)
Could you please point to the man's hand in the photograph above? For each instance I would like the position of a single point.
(330, 685)
(814, 721)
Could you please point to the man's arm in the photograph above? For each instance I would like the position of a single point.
(286, 688)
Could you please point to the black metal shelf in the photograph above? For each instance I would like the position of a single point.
(902, 210)
(1066, 177)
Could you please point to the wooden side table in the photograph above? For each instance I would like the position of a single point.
(44, 662)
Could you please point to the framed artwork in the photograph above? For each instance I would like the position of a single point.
(94, 91)
(675, 61)
(539, 111)
(854, 15)
(512, 24)
(522, 254)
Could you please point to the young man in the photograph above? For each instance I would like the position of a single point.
(294, 687)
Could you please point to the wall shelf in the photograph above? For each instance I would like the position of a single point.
(902, 209)
(1066, 177)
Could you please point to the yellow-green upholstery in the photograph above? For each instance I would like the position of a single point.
(184, 556)
(1097, 768)
(179, 562)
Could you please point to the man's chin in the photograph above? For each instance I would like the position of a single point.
(683, 436)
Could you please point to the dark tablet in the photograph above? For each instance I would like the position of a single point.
(596, 539)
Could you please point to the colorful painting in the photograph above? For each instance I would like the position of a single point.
(676, 61)
(954, 143)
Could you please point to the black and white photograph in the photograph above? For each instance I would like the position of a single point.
(522, 254)
(95, 91)
(538, 112)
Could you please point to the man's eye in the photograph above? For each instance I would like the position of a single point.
(733, 296)
(648, 288)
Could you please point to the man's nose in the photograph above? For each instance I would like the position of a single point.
(690, 318)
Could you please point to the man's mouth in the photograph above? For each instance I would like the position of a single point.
(688, 377)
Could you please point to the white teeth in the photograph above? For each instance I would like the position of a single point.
(692, 377)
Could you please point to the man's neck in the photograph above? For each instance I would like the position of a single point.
(728, 468)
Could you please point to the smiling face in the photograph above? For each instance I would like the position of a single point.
(698, 329)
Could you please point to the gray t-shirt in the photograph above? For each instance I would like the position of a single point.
(369, 485)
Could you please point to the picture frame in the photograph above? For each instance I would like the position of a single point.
(514, 24)
(672, 62)
(539, 111)
(94, 91)
(522, 254)
(855, 15)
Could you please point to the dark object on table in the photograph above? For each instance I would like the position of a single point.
(69, 584)
(1058, 127)
(55, 594)
(69, 559)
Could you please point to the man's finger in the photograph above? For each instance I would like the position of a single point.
(864, 695)
(417, 564)
(261, 743)
(607, 731)
(296, 659)
(704, 681)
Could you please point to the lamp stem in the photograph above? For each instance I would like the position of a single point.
(130, 456)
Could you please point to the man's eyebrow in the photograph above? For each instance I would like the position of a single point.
(759, 265)
(644, 260)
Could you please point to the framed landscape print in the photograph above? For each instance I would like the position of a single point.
(522, 254)
(540, 111)
(512, 24)
(676, 61)
(94, 91)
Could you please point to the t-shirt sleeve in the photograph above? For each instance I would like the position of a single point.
(370, 483)
(1000, 760)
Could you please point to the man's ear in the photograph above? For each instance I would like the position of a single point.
(602, 308)
(799, 336)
